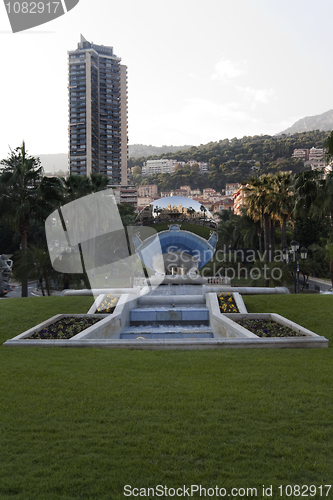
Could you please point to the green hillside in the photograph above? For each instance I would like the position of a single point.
(233, 160)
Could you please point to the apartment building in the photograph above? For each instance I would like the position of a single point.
(97, 112)
(148, 190)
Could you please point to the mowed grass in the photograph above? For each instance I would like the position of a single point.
(83, 423)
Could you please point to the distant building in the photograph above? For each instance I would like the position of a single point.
(165, 166)
(187, 189)
(203, 166)
(231, 188)
(194, 192)
(227, 203)
(97, 112)
(239, 200)
(158, 167)
(148, 190)
(143, 201)
(179, 192)
(125, 194)
(301, 154)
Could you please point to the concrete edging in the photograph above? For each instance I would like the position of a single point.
(217, 343)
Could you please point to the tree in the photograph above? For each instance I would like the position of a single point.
(203, 209)
(25, 193)
(328, 145)
(98, 182)
(314, 194)
(257, 201)
(35, 265)
(127, 214)
(285, 202)
(76, 186)
(136, 170)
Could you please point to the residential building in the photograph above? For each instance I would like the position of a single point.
(301, 154)
(227, 203)
(179, 192)
(203, 166)
(187, 189)
(316, 155)
(163, 166)
(231, 188)
(194, 192)
(143, 201)
(158, 167)
(125, 194)
(97, 112)
(239, 200)
(148, 190)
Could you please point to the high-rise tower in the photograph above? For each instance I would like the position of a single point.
(97, 112)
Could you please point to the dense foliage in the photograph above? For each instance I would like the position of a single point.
(233, 160)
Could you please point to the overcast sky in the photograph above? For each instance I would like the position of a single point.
(198, 71)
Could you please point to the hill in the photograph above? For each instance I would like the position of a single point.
(54, 162)
(139, 150)
(234, 160)
(323, 122)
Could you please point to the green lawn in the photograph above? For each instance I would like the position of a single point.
(83, 423)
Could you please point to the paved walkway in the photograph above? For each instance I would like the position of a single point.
(323, 283)
(32, 290)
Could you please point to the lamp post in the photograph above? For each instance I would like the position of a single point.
(303, 253)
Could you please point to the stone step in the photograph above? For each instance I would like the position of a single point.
(166, 332)
(169, 300)
(165, 316)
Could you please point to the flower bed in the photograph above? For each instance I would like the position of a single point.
(108, 304)
(268, 328)
(65, 328)
(227, 303)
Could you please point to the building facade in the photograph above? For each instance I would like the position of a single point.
(97, 112)
(150, 190)
(125, 194)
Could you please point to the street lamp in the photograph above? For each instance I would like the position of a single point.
(294, 246)
(304, 253)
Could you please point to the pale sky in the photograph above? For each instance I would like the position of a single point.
(198, 71)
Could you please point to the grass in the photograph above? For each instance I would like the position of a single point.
(83, 423)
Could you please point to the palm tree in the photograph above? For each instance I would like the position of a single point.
(308, 189)
(25, 194)
(314, 194)
(270, 200)
(203, 209)
(285, 201)
(257, 201)
(35, 265)
(98, 182)
(76, 186)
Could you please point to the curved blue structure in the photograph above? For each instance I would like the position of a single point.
(179, 248)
